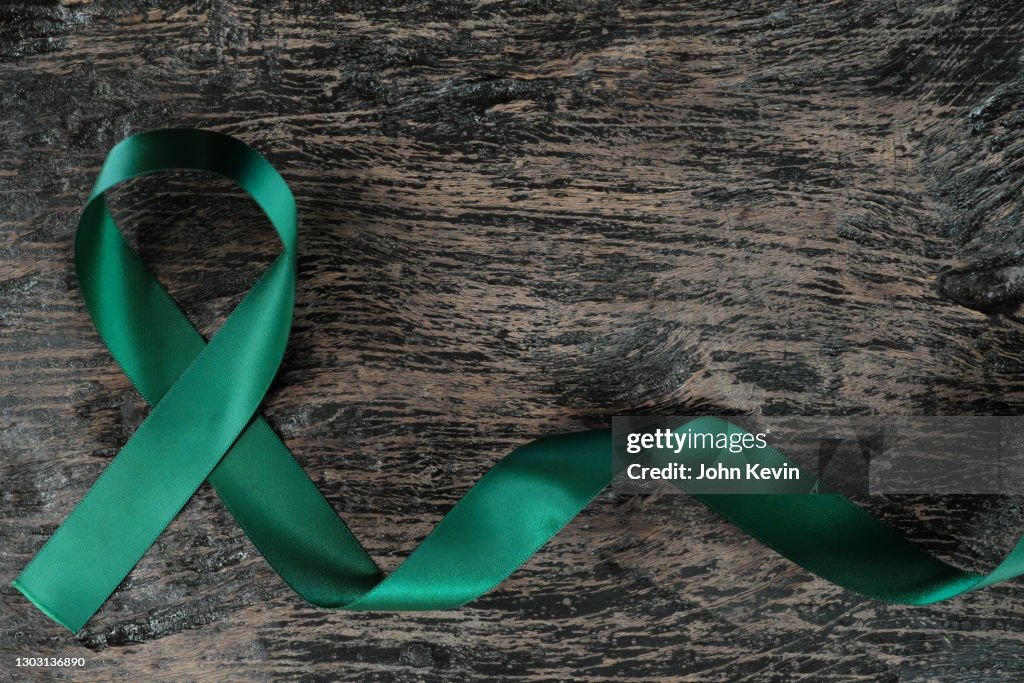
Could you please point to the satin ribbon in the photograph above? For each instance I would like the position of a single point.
(204, 426)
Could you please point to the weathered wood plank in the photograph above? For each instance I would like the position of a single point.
(520, 218)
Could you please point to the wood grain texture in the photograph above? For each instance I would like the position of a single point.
(518, 218)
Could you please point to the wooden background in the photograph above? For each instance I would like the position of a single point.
(517, 218)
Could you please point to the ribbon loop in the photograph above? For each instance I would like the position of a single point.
(203, 395)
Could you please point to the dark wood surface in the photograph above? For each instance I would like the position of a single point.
(520, 218)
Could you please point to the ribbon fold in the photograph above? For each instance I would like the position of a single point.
(204, 426)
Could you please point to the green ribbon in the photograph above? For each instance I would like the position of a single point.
(204, 426)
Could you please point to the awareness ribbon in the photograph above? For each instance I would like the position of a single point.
(204, 426)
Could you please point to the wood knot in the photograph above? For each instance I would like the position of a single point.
(989, 288)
